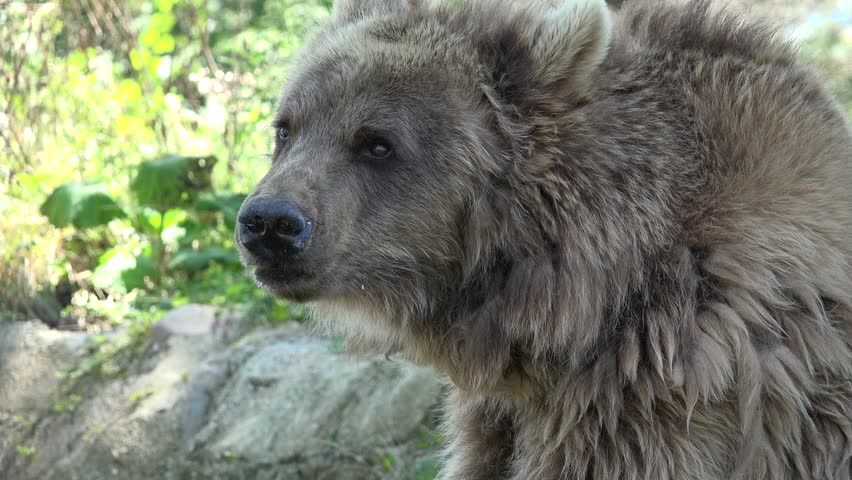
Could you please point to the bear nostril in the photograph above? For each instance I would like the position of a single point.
(289, 227)
(255, 224)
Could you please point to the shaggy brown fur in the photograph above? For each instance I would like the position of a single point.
(627, 238)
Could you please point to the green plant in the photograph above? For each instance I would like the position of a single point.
(166, 193)
(231, 457)
(68, 403)
(83, 204)
(18, 297)
(387, 462)
(429, 438)
(141, 394)
(24, 421)
(427, 469)
(25, 450)
(95, 104)
(94, 432)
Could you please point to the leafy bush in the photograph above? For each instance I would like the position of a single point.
(83, 204)
(178, 229)
(18, 298)
(113, 124)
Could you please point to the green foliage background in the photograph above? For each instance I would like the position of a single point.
(130, 132)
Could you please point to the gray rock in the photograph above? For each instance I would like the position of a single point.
(205, 382)
(299, 401)
(31, 356)
(186, 321)
(276, 405)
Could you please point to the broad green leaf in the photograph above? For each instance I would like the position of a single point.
(78, 61)
(192, 261)
(172, 218)
(148, 37)
(163, 44)
(122, 272)
(172, 181)
(428, 469)
(138, 58)
(226, 202)
(128, 91)
(107, 256)
(164, 5)
(82, 204)
(162, 22)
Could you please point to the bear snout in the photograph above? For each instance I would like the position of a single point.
(273, 229)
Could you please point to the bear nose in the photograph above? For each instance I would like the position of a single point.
(272, 228)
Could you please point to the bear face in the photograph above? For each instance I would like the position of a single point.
(378, 158)
(383, 151)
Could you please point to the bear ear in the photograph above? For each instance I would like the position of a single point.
(554, 48)
(571, 41)
(354, 10)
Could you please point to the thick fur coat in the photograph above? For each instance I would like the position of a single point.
(625, 237)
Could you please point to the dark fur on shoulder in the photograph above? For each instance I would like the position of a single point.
(625, 237)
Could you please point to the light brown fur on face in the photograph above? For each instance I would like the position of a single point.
(625, 237)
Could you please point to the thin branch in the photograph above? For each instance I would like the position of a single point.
(105, 16)
(93, 21)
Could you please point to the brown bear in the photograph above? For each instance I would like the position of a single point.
(626, 238)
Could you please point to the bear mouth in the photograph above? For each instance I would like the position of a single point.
(289, 282)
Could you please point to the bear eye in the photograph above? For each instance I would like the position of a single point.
(379, 150)
(282, 133)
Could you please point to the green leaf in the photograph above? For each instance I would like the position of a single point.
(78, 61)
(427, 469)
(159, 28)
(138, 58)
(192, 261)
(162, 22)
(128, 92)
(163, 44)
(122, 272)
(25, 450)
(226, 202)
(172, 181)
(172, 218)
(83, 204)
(164, 5)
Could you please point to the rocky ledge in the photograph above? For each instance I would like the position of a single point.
(192, 402)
